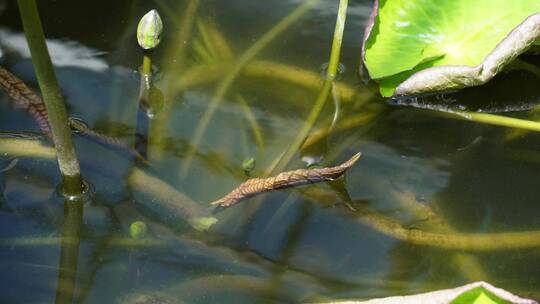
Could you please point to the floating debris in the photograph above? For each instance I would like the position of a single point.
(287, 179)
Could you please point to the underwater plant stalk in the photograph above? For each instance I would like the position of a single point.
(69, 251)
(215, 48)
(328, 87)
(200, 217)
(120, 242)
(61, 132)
(204, 74)
(304, 131)
(158, 129)
(225, 84)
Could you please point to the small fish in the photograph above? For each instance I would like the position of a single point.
(287, 179)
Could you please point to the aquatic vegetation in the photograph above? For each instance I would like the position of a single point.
(149, 33)
(149, 30)
(414, 47)
(255, 186)
(61, 133)
(430, 208)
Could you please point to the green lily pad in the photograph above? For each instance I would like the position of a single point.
(479, 295)
(473, 293)
(456, 43)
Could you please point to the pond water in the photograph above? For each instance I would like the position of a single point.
(428, 206)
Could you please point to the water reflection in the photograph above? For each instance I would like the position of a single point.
(69, 251)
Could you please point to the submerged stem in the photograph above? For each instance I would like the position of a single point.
(304, 131)
(158, 129)
(233, 74)
(327, 88)
(65, 152)
(69, 252)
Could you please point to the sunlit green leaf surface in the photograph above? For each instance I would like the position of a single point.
(411, 35)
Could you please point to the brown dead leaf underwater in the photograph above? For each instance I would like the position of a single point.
(286, 179)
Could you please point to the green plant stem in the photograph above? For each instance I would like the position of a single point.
(69, 251)
(225, 84)
(326, 90)
(252, 120)
(61, 132)
(496, 120)
(32, 241)
(217, 49)
(333, 64)
(147, 63)
(182, 207)
(146, 82)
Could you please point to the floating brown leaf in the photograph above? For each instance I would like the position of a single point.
(25, 98)
(287, 179)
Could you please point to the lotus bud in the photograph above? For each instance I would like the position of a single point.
(149, 30)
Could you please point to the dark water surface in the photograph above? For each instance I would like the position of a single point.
(421, 170)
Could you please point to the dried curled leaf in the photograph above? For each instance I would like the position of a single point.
(25, 98)
(287, 179)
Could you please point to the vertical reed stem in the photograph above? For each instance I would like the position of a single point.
(54, 102)
(336, 42)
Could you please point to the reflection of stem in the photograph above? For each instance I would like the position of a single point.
(67, 159)
(231, 76)
(204, 74)
(252, 120)
(169, 202)
(146, 109)
(466, 263)
(25, 148)
(54, 241)
(454, 241)
(69, 253)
